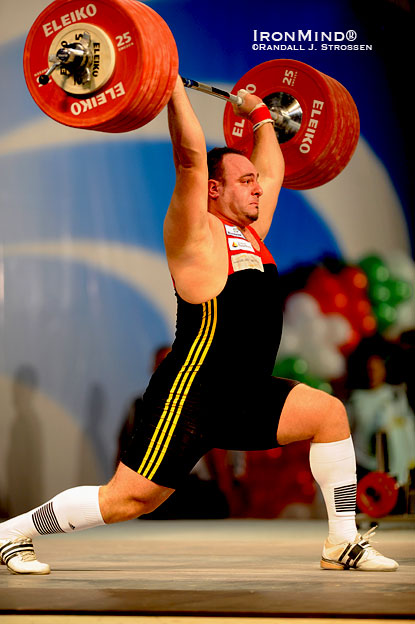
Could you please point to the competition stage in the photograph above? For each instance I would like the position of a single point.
(204, 571)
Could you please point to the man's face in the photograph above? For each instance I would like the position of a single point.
(376, 371)
(238, 193)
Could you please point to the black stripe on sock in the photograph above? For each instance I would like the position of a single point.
(45, 520)
(345, 498)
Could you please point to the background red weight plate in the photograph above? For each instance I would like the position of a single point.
(377, 494)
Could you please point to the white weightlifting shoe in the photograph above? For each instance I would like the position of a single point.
(358, 555)
(20, 557)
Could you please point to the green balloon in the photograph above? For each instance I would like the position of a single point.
(297, 368)
(400, 290)
(380, 292)
(290, 367)
(386, 315)
(316, 382)
(375, 268)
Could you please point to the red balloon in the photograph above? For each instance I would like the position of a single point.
(328, 291)
(352, 342)
(346, 294)
(354, 279)
(359, 310)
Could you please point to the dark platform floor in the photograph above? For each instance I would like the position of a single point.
(256, 568)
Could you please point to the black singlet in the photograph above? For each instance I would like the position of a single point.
(215, 389)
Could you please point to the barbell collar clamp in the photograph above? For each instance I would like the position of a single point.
(44, 78)
(75, 57)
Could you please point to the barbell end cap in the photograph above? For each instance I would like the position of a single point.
(238, 99)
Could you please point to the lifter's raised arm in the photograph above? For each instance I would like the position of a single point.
(268, 160)
(186, 222)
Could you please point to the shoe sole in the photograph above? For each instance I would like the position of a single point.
(27, 573)
(327, 564)
(13, 572)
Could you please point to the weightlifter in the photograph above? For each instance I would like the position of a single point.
(215, 388)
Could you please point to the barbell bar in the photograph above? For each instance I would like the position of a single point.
(63, 58)
(280, 121)
(111, 66)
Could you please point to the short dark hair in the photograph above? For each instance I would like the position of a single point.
(215, 158)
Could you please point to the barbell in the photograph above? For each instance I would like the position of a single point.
(111, 66)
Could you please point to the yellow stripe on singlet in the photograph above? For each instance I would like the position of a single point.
(179, 391)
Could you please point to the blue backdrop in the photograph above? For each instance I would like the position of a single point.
(82, 268)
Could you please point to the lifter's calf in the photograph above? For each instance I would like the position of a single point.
(129, 495)
(310, 414)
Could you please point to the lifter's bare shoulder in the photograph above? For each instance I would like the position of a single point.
(198, 265)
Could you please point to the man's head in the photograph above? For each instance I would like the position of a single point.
(215, 161)
(233, 188)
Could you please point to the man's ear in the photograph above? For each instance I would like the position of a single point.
(213, 189)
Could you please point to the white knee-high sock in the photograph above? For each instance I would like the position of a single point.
(71, 510)
(333, 465)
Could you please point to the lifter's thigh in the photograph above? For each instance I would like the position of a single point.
(310, 414)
